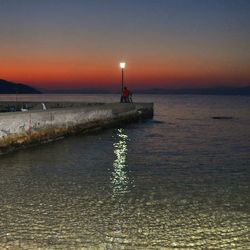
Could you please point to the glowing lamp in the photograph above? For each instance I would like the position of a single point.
(122, 65)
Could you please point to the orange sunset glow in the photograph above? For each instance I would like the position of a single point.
(45, 48)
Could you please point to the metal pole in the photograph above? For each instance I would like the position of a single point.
(122, 78)
(122, 87)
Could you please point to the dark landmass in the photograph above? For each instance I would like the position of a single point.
(183, 91)
(7, 87)
(200, 91)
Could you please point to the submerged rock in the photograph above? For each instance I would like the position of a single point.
(222, 117)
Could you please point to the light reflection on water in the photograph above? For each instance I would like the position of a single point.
(179, 183)
(120, 179)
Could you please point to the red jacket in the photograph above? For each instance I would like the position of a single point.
(126, 93)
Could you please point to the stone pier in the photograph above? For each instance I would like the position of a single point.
(44, 122)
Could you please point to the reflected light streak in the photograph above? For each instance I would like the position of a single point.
(119, 178)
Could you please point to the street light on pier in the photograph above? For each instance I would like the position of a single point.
(122, 66)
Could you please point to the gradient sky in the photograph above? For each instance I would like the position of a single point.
(166, 43)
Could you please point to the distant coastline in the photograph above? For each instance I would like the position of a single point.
(160, 91)
(200, 91)
(7, 87)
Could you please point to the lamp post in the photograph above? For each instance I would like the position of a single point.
(122, 65)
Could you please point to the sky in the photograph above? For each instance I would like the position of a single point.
(166, 43)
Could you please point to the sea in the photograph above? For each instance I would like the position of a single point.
(178, 181)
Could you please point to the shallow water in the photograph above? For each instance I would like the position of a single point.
(181, 181)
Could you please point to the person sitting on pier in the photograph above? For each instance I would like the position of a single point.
(126, 95)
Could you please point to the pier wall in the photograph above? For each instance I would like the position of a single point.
(18, 129)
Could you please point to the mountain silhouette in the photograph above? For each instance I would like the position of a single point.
(7, 87)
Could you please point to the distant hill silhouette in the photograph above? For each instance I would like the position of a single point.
(161, 91)
(7, 87)
(200, 91)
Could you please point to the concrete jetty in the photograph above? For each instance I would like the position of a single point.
(44, 122)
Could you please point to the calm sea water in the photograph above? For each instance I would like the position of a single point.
(180, 181)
